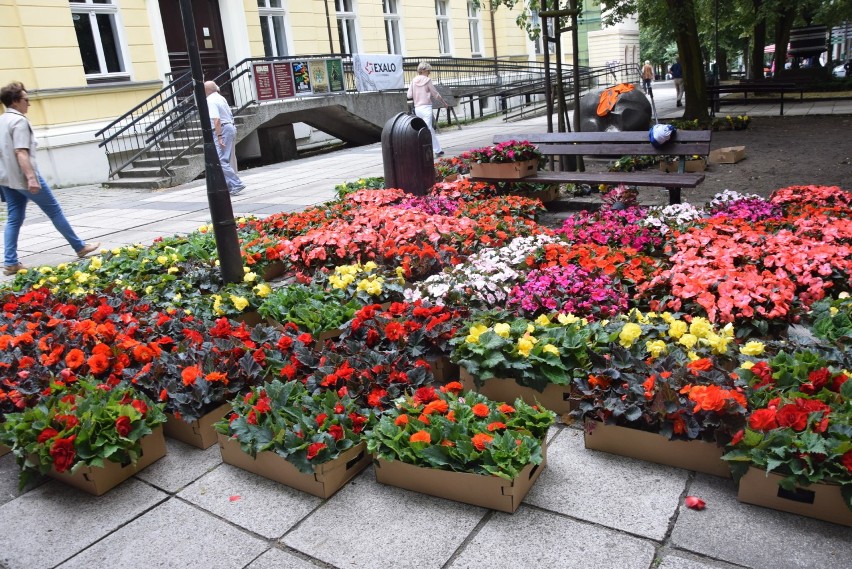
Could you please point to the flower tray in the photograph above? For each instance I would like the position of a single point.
(554, 397)
(544, 196)
(251, 318)
(443, 369)
(505, 171)
(476, 489)
(697, 165)
(199, 433)
(99, 480)
(820, 501)
(274, 270)
(4, 450)
(327, 478)
(699, 456)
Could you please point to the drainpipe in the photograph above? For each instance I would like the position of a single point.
(328, 27)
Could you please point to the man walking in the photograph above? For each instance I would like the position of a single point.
(647, 77)
(224, 135)
(677, 77)
(20, 180)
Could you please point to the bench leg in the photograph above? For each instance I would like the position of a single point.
(674, 196)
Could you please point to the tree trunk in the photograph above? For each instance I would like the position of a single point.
(722, 62)
(758, 42)
(782, 37)
(689, 49)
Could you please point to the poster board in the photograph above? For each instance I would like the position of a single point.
(335, 74)
(264, 81)
(319, 76)
(302, 77)
(377, 72)
(284, 84)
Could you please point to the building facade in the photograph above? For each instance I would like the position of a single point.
(87, 62)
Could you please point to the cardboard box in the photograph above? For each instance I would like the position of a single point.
(274, 270)
(699, 456)
(820, 501)
(728, 155)
(696, 165)
(251, 318)
(327, 478)
(99, 480)
(554, 397)
(443, 369)
(198, 433)
(505, 171)
(4, 450)
(476, 489)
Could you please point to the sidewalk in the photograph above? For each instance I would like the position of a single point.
(588, 509)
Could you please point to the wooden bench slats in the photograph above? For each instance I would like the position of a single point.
(662, 180)
(621, 149)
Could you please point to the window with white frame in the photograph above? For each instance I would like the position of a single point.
(390, 8)
(346, 26)
(535, 22)
(273, 27)
(442, 15)
(98, 36)
(474, 26)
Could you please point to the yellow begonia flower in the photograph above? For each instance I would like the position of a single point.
(656, 348)
(374, 288)
(250, 277)
(752, 348)
(747, 365)
(115, 251)
(149, 289)
(177, 297)
(45, 270)
(162, 259)
(370, 265)
(550, 349)
(700, 327)
(688, 341)
(629, 334)
(53, 279)
(530, 328)
(503, 330)
(172, 270)
(728, 330)
(525, 345)
(475, 332)
(677, 328)
(262, 290)
(720, 344)
(542, 320)
(239, 302)
(833, 310)
(566, 319)
(96, 263)
(82, 277)
(62, 266)
(692, 356)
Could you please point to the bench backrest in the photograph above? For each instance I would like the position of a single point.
(683, 143)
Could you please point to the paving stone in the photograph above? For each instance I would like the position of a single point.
(371, 525)
(262, 506)
(757, 537)
(53, 522)
(680, 561)
(182, 465)
(640, 497)
(278, 559)
(174, 534)
(542, 540)
(9, 472)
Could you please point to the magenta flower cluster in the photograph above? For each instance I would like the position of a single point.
(568, 289)
(748, 209)
(433, 205)
(613, 228)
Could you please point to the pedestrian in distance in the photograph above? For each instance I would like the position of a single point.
(20, 180)
(422, 91)
(677, 77)
(647, 77)
(224, 135)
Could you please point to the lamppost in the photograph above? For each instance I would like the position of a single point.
(716, 45)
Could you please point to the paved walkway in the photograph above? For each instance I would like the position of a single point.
(587, 510)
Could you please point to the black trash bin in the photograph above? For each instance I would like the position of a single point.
(407, 154)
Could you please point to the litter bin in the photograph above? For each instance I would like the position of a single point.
(407, 154)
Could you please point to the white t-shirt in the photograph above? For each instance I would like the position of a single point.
(219, 108)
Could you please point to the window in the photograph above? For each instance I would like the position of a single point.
(346, 26)
(391, 12)
(474, 27)
(97, 27)
(272, 27)
(535, 22)
(442, 15)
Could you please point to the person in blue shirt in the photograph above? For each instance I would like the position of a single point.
(677, 77)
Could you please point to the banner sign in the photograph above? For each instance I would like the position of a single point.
(377, 72)
(319, 75)
(335, 74)
(284, 85)
(264, 82)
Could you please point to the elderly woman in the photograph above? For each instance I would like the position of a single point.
(422, 91)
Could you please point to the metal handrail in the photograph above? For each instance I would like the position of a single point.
(140, 105)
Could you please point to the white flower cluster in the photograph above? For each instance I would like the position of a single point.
(730, 196)
(674, 215)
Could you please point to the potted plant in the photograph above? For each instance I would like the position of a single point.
(310, 441)
(795, 454)
(662, 390)
(368, 283)
(507, 160)
(86, 434)
(461, 446)
(312, 308)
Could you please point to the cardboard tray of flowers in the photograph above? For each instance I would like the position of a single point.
(198, 433)
(326, 479)
(504, 170)
(416, 441)
(554, 397)
(4, 450)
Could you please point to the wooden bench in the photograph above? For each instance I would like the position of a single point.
(684, 143)
(715, 93)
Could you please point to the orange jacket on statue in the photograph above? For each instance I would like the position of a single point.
(609, 97)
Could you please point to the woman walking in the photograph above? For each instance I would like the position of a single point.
(422, 91)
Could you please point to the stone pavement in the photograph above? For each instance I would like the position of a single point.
(587, 510)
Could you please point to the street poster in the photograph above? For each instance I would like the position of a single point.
(263, 81)
(319, 75)
(335, 74)
(377, 72)
(301, 77)
(284, 85)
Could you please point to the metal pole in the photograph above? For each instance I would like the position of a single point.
(221, 212)
(716, 46)
(494, 46)
(545, 44)
(328, 26)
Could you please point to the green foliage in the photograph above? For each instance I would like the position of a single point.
(346, 188)
(311, 307)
